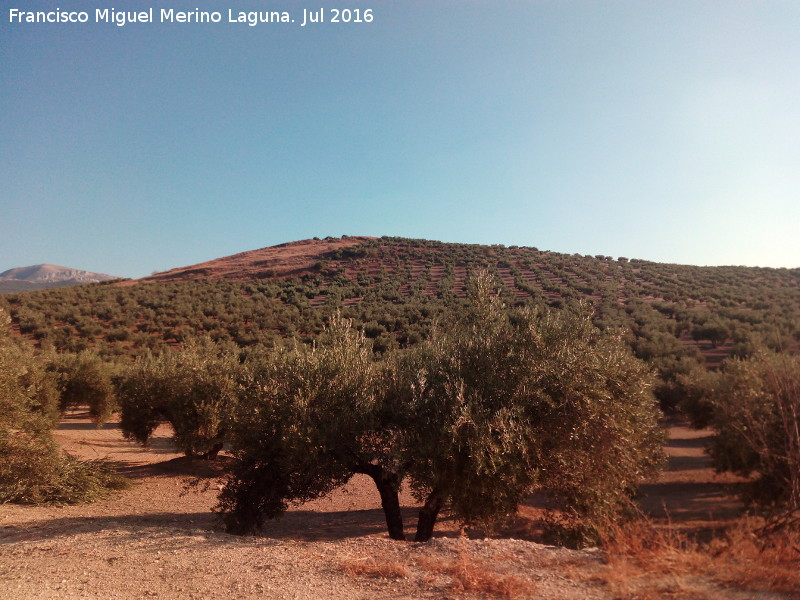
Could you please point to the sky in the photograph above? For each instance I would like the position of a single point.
(663, 130)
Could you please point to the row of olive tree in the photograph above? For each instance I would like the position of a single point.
(32, 467)
(495, 405)
(754, 406)
(195, 390)
(85, 379)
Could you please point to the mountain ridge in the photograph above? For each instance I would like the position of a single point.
(46, 275)
(301, 257)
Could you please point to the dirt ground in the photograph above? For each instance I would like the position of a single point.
(291, 258)
(160, 539)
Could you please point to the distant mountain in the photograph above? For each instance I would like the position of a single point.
(37, 277)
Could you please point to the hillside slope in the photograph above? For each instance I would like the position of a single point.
(524, 271)
(680, 318)
(291, 258)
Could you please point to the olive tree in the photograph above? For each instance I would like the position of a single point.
(33, 469)
(28, 403)
(496, 404)
(756, 415)
(311, 418)
(85, 379)
(509, 402)
(195, 390)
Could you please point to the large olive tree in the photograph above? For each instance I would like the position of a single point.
(512, 401)
(496, 404)
(312, 417)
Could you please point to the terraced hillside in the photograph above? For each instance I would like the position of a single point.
(680, 318)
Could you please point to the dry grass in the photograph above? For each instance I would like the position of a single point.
(759, 561)
(464, 574)
(467, 575)
(369, 567)
(644, 562)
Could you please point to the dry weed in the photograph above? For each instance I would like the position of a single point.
(369, 567)
(644, 562)
(758, 561)
(641, 545)
(467, 575)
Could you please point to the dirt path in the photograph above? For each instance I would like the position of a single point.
(689, 493)
(160, 540)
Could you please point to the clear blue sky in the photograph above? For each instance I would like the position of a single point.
(668, 130)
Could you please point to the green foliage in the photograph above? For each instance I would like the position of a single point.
(509, 403)
(32, 468)
(601, 435)
(34, 471)
(757, 420)
(27, 398)
(85, 379)
(143, 392)
(683, 386)
(693, 390)
(398, 277)
(195, 390)
(309, 420)
(396, 290)
(713, 331)
(493, 406)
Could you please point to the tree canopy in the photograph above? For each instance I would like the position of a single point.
(494, 405)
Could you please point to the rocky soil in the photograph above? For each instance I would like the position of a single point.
(160, 539)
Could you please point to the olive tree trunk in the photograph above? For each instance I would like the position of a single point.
(427, 516)
(388, 485)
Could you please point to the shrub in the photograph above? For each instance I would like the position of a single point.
(85, 379)
(757, 420)
(32, 467)
(195, 390)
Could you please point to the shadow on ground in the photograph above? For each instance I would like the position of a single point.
(295, 525)
(182, 466)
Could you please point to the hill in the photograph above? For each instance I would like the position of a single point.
(682, 319)
(291, 258)
(35, 277)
